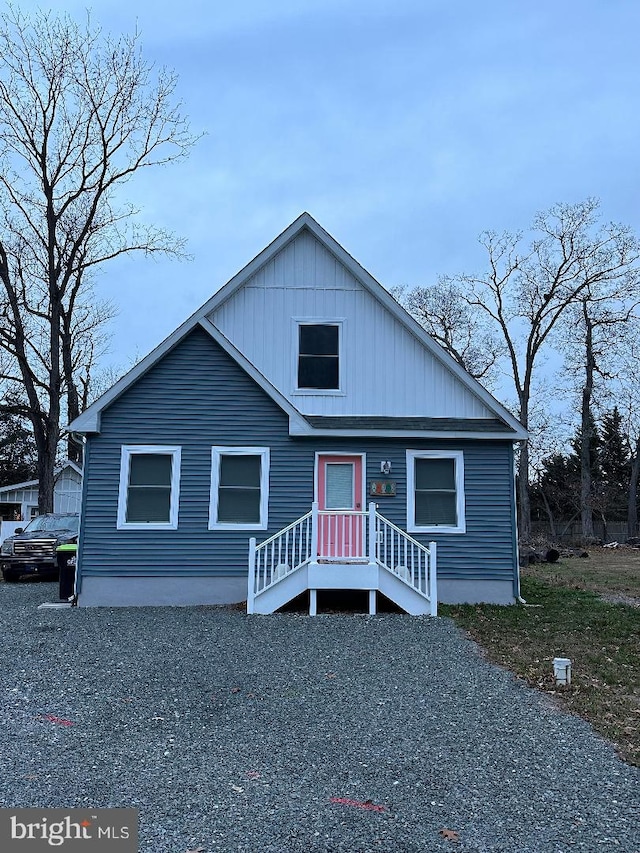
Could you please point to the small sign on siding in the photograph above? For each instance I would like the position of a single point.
(382, 488)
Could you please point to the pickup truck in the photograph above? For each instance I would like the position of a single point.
(32, 551)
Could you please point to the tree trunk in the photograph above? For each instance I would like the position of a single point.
(569, 523)
(46, 482)
(586, 438)
(74, 450)
(632, 501)
(46, 466)
(524, 504)
(46, 443)
(552, 521)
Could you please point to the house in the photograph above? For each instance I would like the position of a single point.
(299, 432)
(19, 503)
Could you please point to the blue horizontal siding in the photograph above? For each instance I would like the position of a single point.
(196, 397)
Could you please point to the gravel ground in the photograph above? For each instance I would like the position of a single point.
(234, 734)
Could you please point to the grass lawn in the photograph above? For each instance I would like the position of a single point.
(601, 637)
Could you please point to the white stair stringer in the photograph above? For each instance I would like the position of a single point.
(293, 584)
(404, 595)
(278, 594)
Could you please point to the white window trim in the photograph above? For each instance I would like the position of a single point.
(458, 457)
(220, 450)
(318, 321)
(129, 450)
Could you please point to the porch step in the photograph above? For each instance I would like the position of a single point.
(404, 595)
(361, 576)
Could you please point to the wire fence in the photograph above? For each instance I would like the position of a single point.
(571, 533)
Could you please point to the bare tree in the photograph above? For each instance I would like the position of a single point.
(83, 341)
(624, 388)
(595, 338)
(528, 287)
(448, 318)
(80, 114)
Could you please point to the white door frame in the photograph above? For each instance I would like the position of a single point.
(316, 467)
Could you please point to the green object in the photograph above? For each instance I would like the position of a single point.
(70, 547)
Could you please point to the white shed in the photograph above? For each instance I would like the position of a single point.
(21, 499)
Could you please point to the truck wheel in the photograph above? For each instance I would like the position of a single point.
(10, 576)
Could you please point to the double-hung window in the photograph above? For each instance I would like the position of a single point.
(149, 487)
(239, 488)
(435, 491)
(318, 365)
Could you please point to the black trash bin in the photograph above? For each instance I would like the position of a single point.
(66, 557)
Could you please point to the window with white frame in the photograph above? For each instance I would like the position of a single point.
(318, 366)
(239, 488)
(149, 487)
(435, 491)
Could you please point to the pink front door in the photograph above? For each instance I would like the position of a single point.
(340, 524)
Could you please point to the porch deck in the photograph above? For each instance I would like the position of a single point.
(329, 549)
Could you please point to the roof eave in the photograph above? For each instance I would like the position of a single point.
(89, 420)
(519, 435)
(29, 484)
(295, 417)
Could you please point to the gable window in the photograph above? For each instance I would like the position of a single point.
(239, 488)
(435, 491)
(318, 356)
(149, 487)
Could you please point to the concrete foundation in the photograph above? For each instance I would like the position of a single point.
(161, 592)
(189, 591)
(475, 592)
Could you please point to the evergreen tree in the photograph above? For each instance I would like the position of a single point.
(555, 497)
(586, 454)
(17, 451)
(615, 468)
(595, 444)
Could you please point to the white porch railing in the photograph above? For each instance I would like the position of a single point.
(406, 558)
(280, 555)
(340, 536)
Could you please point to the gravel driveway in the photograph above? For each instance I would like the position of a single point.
(234, 734)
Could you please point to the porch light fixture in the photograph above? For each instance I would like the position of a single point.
(385, 467)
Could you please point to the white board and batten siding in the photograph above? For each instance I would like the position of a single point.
(385, 370)
(67, 493)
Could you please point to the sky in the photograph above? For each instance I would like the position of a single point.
(405, 127)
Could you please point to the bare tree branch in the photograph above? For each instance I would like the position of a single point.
(527, 291)
(80, 114)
